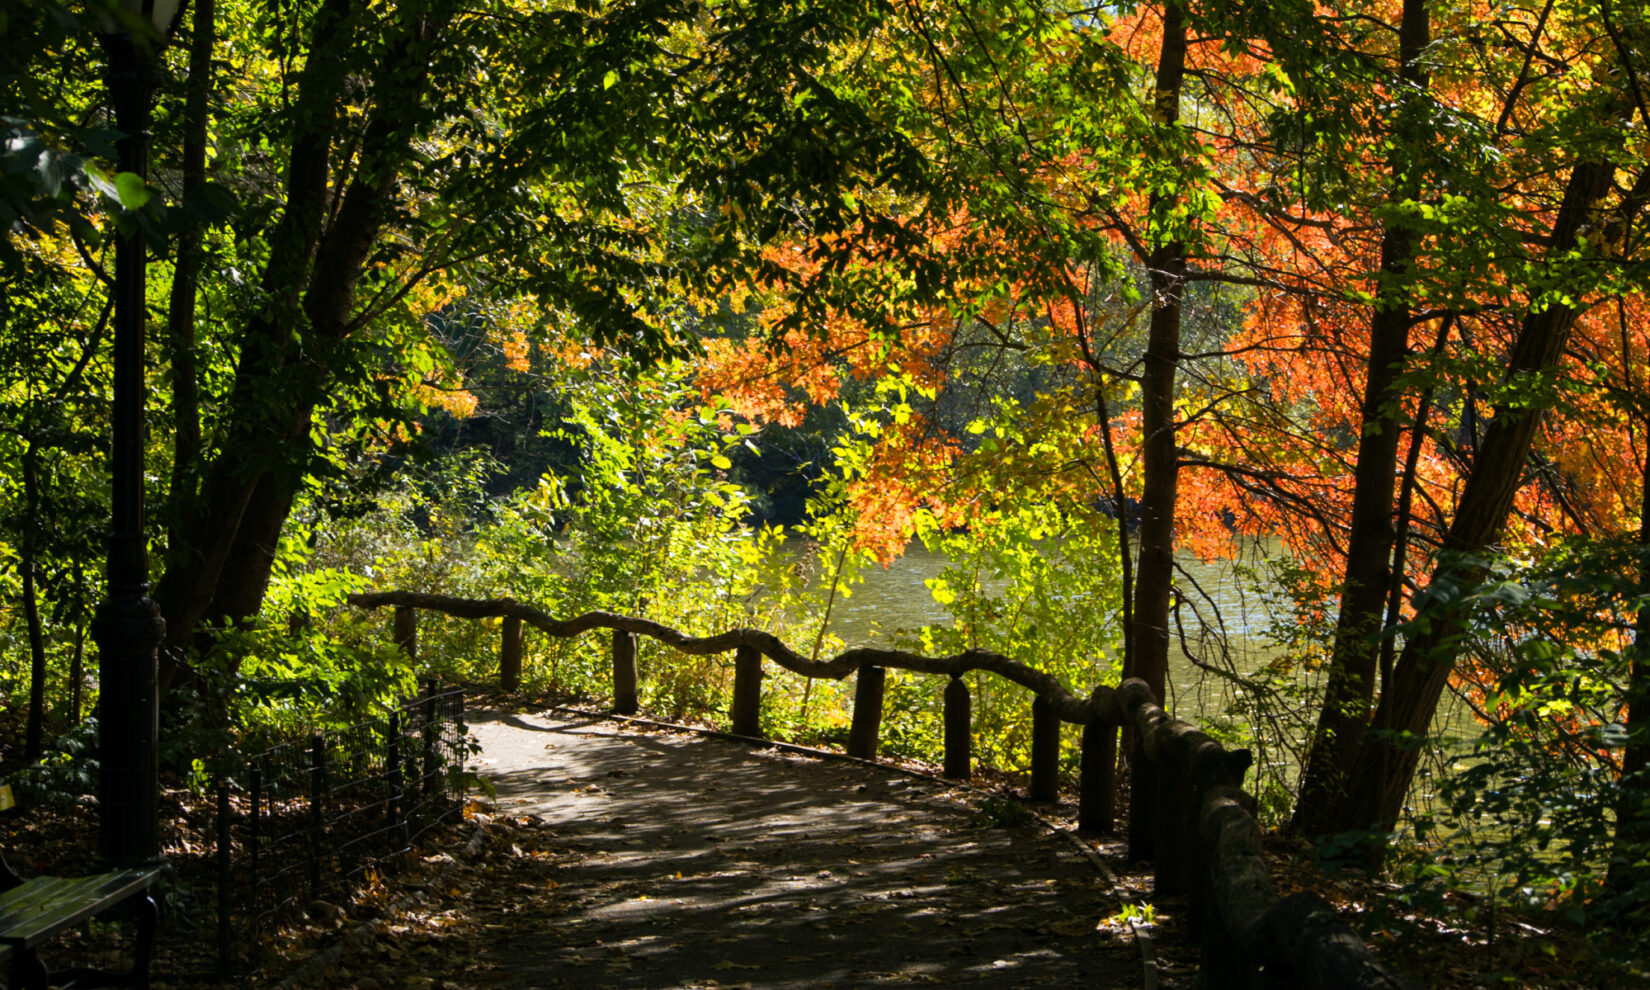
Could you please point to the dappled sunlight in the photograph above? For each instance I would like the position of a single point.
(686, 861)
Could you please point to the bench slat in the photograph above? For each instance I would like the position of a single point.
(44, 906)
(21, 903)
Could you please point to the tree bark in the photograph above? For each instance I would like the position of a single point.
(1388, 754)
(224, 546)
(1148, 648)
(1368, 574)
(180, 314)
(1630, 859)
(240, 591)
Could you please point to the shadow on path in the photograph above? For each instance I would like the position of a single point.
(673, 860)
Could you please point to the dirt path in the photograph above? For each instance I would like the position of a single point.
(656, 860)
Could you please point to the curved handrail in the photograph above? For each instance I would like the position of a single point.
(1192, 817)
(1102, 704)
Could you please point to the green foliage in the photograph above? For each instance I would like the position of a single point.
(67, 772)
(1528, 817)
(1144, 914)
(1035, 583)
(289, 683)
(314, 666)
(42, 142)
(647, 524)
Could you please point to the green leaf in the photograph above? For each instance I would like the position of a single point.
(611, 79)
(941, 590)
(131, 190)
(721, 462)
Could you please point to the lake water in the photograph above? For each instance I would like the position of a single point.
(1215, 597)
(1226, 618)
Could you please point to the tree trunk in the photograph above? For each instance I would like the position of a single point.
(1389, 752)
(180, 314)
(35, 733)
(240, 592)
(1148, 648)
(1368, 574)
(1628, 863)
(204, 528)
(224, 545)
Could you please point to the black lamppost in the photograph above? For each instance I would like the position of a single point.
(128, 627)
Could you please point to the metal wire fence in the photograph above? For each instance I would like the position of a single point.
(314, 819)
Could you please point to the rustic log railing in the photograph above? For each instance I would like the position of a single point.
(1189, 815)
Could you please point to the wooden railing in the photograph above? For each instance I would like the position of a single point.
(1188, 813)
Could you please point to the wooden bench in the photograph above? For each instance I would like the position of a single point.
(32, 911)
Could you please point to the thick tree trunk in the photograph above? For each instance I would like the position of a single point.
(204, 528)
(1350, 685)
(1630, 861)
(220, 566)
(198, 563)
(240, 592)
(1148, 647)
(1389, 752)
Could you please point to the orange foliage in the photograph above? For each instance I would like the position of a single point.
(1270, 428)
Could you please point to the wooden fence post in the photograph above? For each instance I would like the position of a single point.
(1142, 805)
(394, 775)
(867, 725)
(747, 692)
(624, 673)
(1204, 920)
(1097, 779)
(509, 654)
(406, 630)
(959, 730)
(1176, 856)
(1045, 751)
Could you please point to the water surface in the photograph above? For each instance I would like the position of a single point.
(1217, 604)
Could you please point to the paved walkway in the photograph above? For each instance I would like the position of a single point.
(704, 862)
(670, 860)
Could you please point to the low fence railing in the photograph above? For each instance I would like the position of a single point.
(308, 821)
(1188, 813)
